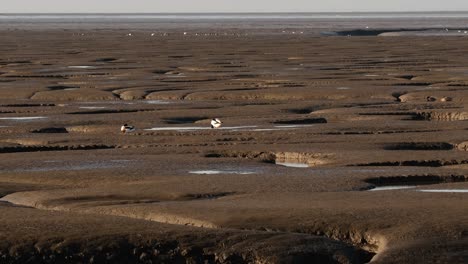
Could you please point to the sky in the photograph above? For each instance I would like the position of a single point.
(163, 6)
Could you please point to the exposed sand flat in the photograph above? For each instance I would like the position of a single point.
(310, 124)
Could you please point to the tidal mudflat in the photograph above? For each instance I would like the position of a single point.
(310, 123)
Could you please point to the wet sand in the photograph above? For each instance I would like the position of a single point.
(310, 124)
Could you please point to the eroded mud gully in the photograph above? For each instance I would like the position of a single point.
(227, 247)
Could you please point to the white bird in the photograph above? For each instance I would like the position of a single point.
(127, 129)
(215, 123)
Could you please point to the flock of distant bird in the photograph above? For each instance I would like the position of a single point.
(215, 123)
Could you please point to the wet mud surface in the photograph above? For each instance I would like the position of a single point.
(310, 125)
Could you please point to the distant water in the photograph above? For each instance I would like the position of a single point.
(231, 16)
(259, 22)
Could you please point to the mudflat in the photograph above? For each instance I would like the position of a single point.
(332, 149)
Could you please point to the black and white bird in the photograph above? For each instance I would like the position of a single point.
(215, 123)
(127, 129)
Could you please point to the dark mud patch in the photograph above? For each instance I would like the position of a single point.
(360, 32)
(293, 85)
(105, 60)
(416, 180)
(180, 56)
(233, 139)
(302, 111)
(19, 62)
(253, 104)
(27, 105)
(406, 77)
(102, 199)
(161, 71)
(413, 84)
(50, 76)
(377, 32)
(245, 75)
(234, 66)
(421, 163)
(110, 111)
(61, 87)
(53, 148)
(241, 89)
(379, 132)
(50, 130)
(302, 121)
(412, 114)
(419, 146)
(184, 120)
(207, 196)
(184, 80)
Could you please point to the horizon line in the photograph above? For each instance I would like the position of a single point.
(247, 12)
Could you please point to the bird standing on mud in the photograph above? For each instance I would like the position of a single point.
(127, 129)
(215, 123)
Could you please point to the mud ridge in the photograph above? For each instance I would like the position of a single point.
(253, 155)
(441, 116)
(311, 159)
(368, 246)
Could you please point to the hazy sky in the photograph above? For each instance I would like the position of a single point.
(155, 6)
